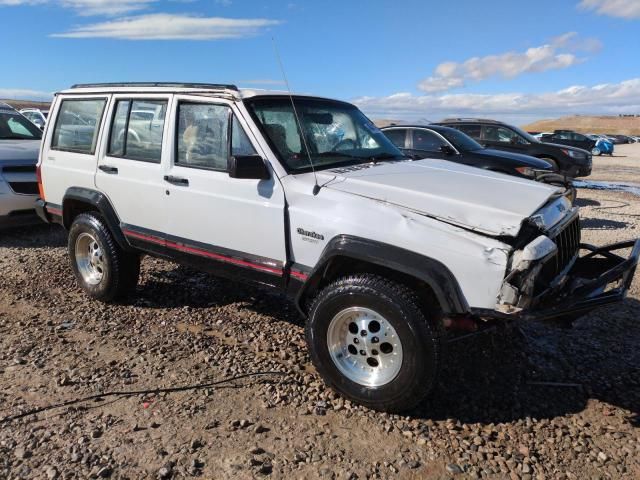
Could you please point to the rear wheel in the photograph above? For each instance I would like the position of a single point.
(103, 270)
(370, 341)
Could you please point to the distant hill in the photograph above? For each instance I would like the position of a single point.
(20, 104)
(589, 124)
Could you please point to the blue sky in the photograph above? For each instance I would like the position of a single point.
(404, 59)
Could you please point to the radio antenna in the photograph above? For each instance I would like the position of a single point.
(316, 187)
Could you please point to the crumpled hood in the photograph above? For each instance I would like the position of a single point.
(476, 199)
(19, 151)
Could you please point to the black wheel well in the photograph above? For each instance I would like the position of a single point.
(71, 208)
(340, 266)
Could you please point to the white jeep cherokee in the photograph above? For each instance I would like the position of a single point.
(380, 253)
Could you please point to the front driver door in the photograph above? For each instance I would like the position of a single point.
(233, 227)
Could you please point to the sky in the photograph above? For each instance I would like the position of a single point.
(404, 60)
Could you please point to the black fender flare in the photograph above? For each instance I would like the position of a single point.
(101, 203)
(431, 271)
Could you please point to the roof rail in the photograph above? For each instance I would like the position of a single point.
(470, 119)
(203, 86)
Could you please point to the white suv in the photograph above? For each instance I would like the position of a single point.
(383, 255)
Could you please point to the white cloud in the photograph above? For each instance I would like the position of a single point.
(614, 98)
(554, 55)
(24, 94)
(613, 8)
(105, 7)
(164, 26)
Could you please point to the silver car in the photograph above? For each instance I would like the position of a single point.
(19, 147)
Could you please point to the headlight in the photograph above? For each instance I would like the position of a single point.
(574, 154)
(526, 171)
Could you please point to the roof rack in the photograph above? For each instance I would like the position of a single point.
(203, 86)
(470, 119)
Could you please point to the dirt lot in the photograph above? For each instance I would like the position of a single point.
(533, 401)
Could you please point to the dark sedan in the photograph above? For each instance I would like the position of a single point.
(570, 138)
(435, 141)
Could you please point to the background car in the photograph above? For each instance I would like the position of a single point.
(19, 148)
(35, 115)
(571, 138)
(436, 141)
(570, 161)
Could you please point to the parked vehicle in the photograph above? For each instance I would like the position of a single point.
(36, 116)
(571, 138)
(19, 147)
(570, 161)
(436, 141)
(602, 147)
(617, 139)
(375, 249)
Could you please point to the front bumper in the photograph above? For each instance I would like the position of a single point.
(598, 278)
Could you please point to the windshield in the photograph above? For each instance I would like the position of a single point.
(460, 140)
(14, 126)
(335, 133)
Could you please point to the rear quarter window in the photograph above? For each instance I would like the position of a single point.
(77, 125)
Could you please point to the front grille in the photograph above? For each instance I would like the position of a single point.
(568, 242)
(25, 188)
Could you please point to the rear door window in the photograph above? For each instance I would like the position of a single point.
(397, 136)
(427, 141)
(77, 125)
(472, 130)
(137, 129)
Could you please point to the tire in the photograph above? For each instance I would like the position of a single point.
(596, 151)
(366, 299)
(103, 270)
(553, 163)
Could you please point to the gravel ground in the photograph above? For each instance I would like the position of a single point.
(531, 401)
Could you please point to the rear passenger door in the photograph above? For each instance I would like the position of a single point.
(232, 226)
(130, 167)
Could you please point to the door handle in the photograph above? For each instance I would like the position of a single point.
(177, 180)
(108, 169)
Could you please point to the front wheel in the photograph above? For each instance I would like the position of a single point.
(370, 341)
(596, 151)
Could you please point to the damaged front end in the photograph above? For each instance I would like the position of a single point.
(547, 277)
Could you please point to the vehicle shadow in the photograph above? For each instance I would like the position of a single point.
(35, 236)
(586, 202)
(183, 286)
(601, 224)
(540, 370)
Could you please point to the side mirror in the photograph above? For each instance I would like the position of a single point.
(447, 150)
(248, 166)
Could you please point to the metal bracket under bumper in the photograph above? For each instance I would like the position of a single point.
(586, 288)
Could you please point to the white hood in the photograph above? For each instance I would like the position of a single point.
(480, 200)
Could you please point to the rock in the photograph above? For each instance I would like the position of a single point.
(602, 457)
(166, 471)
(266, 469)
(454, 468)
(52, 473)
(256, 451)
(105, 472)
(259, 428)
(21, 453)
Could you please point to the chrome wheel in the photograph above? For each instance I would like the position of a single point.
(364, 346)
(595, 151)
(90, 259)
